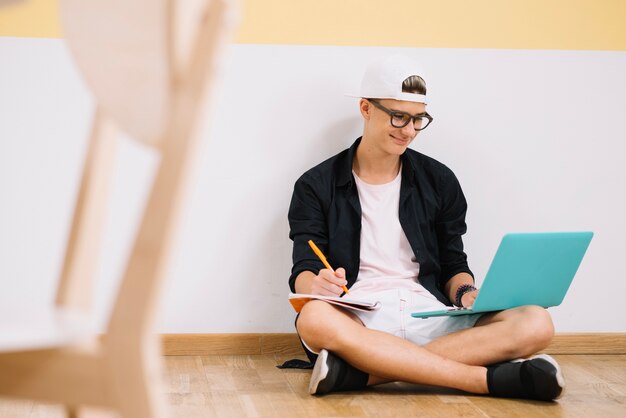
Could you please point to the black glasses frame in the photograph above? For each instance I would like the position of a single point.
(401, 115)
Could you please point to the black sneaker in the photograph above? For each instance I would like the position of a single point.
(539, 377)
(332, 374)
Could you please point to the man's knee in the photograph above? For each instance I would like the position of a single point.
(535, 325)
(316, 326)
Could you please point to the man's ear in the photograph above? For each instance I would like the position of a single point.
(365, 107)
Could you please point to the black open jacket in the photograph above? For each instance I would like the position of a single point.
(325, 208)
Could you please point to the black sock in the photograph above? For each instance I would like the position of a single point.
(504, 380)
(351, 378)
(531, 379)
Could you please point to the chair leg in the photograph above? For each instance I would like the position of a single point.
(138, 380)
(71, 411)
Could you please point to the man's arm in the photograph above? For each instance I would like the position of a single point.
(450, 227)
(453, 285)
(307, 221)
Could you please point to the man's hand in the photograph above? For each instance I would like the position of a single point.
(468, 299)
(325, 283)
(328, 283)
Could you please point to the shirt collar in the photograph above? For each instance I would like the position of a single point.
(344, 174)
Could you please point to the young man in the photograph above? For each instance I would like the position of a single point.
(390, 220)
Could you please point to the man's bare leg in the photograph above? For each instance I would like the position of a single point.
(499, 336)
(377, 353)
(496, 337)
(452, 361)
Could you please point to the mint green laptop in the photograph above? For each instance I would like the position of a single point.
(528, 269)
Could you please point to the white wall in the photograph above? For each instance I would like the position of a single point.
(536, 137)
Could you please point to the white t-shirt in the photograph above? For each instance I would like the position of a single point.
(385, 250)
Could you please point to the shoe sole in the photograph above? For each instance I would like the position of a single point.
(320, 371)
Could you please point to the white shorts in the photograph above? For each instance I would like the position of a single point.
(399, 298)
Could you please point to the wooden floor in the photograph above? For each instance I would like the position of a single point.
(251, 386)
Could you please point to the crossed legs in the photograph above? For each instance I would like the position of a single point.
(456, 360)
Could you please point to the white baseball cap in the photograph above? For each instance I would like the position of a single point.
(383, 80)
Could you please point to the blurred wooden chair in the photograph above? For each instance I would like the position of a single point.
(148, 63)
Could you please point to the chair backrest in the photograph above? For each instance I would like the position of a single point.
(148, 77)
(124, 53)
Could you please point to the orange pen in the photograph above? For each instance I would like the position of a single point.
(318, 253)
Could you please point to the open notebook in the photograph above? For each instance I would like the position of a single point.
(528, 269)
(298, 300)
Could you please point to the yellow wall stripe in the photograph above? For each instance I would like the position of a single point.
(527, 24)
(30, 18)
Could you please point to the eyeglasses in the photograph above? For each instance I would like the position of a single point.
(401, 119)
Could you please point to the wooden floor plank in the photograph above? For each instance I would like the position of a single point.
(224, 386)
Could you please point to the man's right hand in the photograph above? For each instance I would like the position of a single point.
(325, 283)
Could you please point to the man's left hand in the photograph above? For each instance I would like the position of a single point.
(468, 299)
